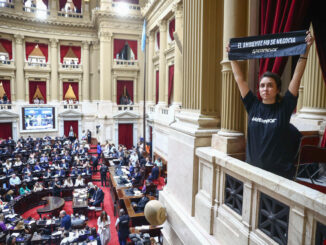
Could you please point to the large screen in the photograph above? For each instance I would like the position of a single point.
(38, 118)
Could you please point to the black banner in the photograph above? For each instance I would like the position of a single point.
(268, 46)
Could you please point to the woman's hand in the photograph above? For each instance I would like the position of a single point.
(227, 48)
(309, 39)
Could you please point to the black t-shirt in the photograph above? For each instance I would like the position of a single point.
(268, 132)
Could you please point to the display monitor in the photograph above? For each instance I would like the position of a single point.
(38, 118)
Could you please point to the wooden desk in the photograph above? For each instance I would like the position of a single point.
(53, 205)
(153, 231)
(34, 199)
(80, 202)
(137, 219)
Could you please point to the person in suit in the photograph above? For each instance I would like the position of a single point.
(88, 171)
(155, 172)
(89, 136)
(98, 197)
(103, 171)
(65, 221)
(56, 187)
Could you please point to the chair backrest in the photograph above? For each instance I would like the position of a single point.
(312, 140)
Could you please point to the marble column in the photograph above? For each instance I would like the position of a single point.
(162, 100)
(85, 84)
(19, 68)
(314, 92)
(178, 66)
(54, 70)
(94, 67)
(230, 138)
(150, 70)
(105, 65)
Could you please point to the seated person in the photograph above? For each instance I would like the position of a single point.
(56, 166)
(24, 189)
(18, 162)
(137, 177)
(65, 221)
(90, 189)
(158, 162)
(56, 158)
(44, 159)
(148, 162)
(64, 164)
(28, 177)
(155, 172)
(88, 170)
(94, 236)
(3, 226)
(21, 226)
(61, 173)
(37, 187)
(27, 169)
(9, 196)
(67, 158)
(37, 167)
(79, 181)
(7, 165)
(47, 174)
(14, 180)
(140, 205)
(97, 197)
(68, 182)
(31, 160)
(73, 172)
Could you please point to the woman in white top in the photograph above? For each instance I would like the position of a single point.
(7, 165)
(18, 162)
(37, 187)
(103, 223)
(79, 181)
(68, 182)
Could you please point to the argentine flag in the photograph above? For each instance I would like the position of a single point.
(143, 39)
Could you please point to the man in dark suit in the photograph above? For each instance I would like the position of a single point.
(155, 172)
(103, 171)
(56, 191)
(98, 197)
(89, 136)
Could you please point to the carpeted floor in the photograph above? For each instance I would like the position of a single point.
(92, 222)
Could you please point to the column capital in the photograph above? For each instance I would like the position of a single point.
(86, 44)
(162, 25)
(54, 42)
(177, 8)
(105, 35)
(19, 38)
(95, 44)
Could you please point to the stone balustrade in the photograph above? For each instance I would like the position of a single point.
(237, 203)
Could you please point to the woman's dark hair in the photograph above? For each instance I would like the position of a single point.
(277, 80)
(104, 216)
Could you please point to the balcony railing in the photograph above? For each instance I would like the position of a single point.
(128, 63)
(29, 64)
(5, 106)
(36, 10)
(71, 66)
(75, 106)
(6, 62)
(262, 207)
(70, 14)
(134, 7)
(7, 5)
(126, 107)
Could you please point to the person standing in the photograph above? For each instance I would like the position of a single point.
(122, 226)
(103, 223)
(65, 221)
(89, 136)
(103, 171)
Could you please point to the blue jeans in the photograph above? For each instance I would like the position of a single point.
(122, 240)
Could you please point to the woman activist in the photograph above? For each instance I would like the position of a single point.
(269, 119)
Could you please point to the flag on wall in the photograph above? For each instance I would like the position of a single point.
(143, 39)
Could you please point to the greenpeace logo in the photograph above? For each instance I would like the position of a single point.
(266, 121)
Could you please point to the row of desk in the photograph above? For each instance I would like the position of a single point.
(122, 196)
